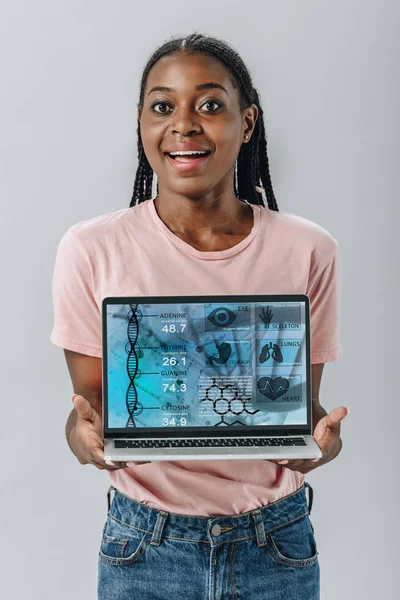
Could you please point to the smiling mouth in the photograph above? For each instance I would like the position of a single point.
(188, 162)
(188, 157)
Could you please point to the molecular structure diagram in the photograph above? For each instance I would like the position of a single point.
(225, 400)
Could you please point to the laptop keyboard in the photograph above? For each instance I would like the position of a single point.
(210, 442)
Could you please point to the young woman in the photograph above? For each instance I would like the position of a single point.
(199, 529)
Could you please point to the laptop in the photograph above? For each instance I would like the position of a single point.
(207, 377)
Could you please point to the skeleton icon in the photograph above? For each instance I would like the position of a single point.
(266, 316)
(276, 353)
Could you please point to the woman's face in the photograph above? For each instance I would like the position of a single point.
(208, 117)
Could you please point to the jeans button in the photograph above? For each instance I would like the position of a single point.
(216, 530)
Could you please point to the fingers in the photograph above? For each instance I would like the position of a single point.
(335, 416)
(108, 465)
(128, 463)
(278, 462)
(97, 454)
(84, 408)
(115, 465)
(302, 465)
(92, 449)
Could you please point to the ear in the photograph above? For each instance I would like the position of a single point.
(250, 119)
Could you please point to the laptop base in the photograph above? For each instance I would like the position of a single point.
(308, 451)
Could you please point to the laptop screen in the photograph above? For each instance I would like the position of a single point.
(197, 363)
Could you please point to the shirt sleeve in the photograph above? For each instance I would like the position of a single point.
(324, 292)
(77, 317)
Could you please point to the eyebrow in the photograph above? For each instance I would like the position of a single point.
(203, 86)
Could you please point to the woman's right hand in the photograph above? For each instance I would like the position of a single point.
(86, 437)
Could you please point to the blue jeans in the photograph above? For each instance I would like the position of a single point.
(267, 553)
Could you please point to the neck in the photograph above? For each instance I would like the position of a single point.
(208, 215)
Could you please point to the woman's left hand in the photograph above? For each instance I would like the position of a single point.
(327, 436)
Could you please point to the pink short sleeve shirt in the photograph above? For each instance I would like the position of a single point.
(132, 252)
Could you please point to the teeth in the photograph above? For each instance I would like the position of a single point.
(187, 152)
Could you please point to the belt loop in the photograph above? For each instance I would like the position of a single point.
(259, 525)
(158, 528)
(310, 496)
(110, 489)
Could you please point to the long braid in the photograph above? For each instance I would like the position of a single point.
(252, 176)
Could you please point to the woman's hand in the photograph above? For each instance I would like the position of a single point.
(86, 438)
(327, 436)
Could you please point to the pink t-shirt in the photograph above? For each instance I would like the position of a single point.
(132, 252)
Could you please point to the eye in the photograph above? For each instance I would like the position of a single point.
(165, 104)
(156, 104)
(221, 317)
(212, 102)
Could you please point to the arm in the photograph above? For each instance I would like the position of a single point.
(318, 411)
(84, 429)
(86, 377)
(325, 428)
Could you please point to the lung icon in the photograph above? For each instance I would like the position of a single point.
(272, 388)
(276, 353)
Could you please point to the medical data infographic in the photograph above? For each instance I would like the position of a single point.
(206, 365)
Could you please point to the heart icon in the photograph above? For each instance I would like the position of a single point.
(273, 388)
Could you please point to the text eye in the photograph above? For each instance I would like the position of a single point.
(221, 317)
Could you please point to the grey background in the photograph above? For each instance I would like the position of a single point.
(329, 82)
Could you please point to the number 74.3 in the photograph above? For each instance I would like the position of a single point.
(174, 388)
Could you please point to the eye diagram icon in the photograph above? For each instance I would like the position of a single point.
(276, 353)
(272, 388)
(221, 317)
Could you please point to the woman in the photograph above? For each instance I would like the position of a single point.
(199, 529)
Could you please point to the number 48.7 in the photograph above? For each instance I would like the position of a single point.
(172, 328)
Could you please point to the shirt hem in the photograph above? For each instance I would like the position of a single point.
(122, 481)
(323, 356)
(75, 346)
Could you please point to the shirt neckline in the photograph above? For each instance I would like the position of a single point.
(213, 255)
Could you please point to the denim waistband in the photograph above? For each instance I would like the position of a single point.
(213, 530)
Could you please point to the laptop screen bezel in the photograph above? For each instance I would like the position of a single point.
(188, 432)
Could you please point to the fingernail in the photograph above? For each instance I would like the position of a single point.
(73, 397)
(315, 459)
(111, 463)
(283, 462)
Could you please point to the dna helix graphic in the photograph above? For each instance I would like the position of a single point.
(134, 407)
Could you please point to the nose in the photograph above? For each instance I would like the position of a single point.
(184, 121)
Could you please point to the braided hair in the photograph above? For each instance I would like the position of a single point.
(252, 165)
